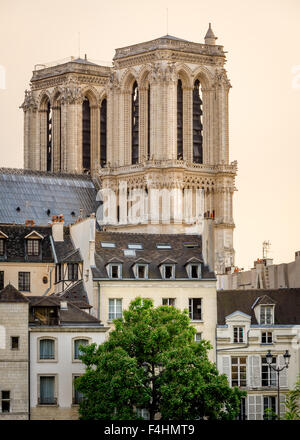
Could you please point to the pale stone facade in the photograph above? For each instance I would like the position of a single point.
(13, 359)
(56, 137)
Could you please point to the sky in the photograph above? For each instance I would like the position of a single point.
(262, 38)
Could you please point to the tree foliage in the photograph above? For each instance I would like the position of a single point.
(292, 403)
(151, 361)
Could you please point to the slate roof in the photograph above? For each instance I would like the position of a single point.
(15, 244)
(287, 304)
(71, 315)
(65, 250)
(77, 294)
(11, 294)
(37, 195)
(179, 254)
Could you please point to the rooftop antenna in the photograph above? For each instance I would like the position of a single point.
(78, 44)
(167, 21)
(266, 248)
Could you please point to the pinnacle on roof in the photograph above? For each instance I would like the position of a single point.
(210, 37)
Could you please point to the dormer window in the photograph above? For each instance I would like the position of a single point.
(141, 271)
(194, 271)
(266, 315)
(33, 247)
(115, 270)
(168, 271)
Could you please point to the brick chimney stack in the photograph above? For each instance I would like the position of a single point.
(58, 227)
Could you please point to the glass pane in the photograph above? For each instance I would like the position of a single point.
(47, 390)
(46, 349)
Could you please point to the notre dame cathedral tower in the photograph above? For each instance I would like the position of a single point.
(157, 119)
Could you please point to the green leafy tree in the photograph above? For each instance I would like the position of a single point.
(292, 403)
(151, 361)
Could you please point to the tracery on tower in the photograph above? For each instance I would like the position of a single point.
(135, 124)
(197, 124)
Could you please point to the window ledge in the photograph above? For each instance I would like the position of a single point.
(42, 405)
(197, 320)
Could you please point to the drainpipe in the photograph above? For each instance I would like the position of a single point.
(29, 402)
(98, 300)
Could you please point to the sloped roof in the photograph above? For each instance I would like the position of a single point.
(178, 253)
(287, 304)
(65, 250)
(11, 294)
(37, 195)
(77, 294)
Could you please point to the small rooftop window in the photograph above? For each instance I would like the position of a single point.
(108, 245)
(129, 252)
(135, 246)
(191, 245)
(163, 246)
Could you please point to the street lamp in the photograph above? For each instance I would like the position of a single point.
(269, 358)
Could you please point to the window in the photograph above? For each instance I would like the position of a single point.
(107, 245)
(143, 413)
(47, 390)
(58, 273)
(269, 404)
(77, 395)
(163, 246)
(168, 271)
(268, 375)
(266, 314)
(72, 271)
(168, 302)
(86, 134)
(103, 132)
(135, 124)
(115, 309)
(1, 279)
(2, 246)
(115, 271)
(242, 415)
(24, 281)
(14, 340)
(238, 372)
(197, 123)
(198, 337)
(238, 334)
(33, 247)
(77, 344)
(194, 271)
(179, 120)
(266, 338)
(5, 401)
(135, 246)
(47, 349)
(142, 271)
(195, 309)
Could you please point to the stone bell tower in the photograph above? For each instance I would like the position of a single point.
(153, 126)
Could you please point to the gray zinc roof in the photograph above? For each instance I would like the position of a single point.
(38, 195)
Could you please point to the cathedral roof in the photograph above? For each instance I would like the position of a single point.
(38, 195)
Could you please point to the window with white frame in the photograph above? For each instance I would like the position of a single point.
(194, 271)
(47, 391)
(168, 302)
(143, 413)
(115, 270)
(238, 371)
(195, 309)
(46, 349)
(24, 281)
(33, 247)
(266, 315)
(141, 271)
(114, 308)
(77, 344)
(268, 375)
(238, 334)
(243, 413)
(72, 271)
(5, 401)
(198, 337)
(269, 404)
(267, 338)
(168, 271)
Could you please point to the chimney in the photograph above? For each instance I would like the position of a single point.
(58, 227)
(208, 243)
(29, 222)
(63, 305)
(297, 255)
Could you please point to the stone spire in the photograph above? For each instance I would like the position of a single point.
(210, 36)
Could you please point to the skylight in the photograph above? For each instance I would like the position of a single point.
(190, 245)
(135, 246)
(129, 252)
(108, 245)
(163, 246)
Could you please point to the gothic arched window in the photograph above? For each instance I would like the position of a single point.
(135, 124)
(86, 135)
(103, 133)
(179, 120)
(49, 137)
(197, 124)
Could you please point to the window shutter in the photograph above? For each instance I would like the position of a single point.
(226, 367)
(255, 371)
(283, 379)
(282, 405)
(255, 407)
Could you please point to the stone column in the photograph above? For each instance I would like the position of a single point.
(56, 138)
(27, 152)
(43, 139)
(188, 124)
(95, 137)
(143, 120)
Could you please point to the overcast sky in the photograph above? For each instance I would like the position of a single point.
(262, 38)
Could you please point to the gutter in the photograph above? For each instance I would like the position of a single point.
(235, 348)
